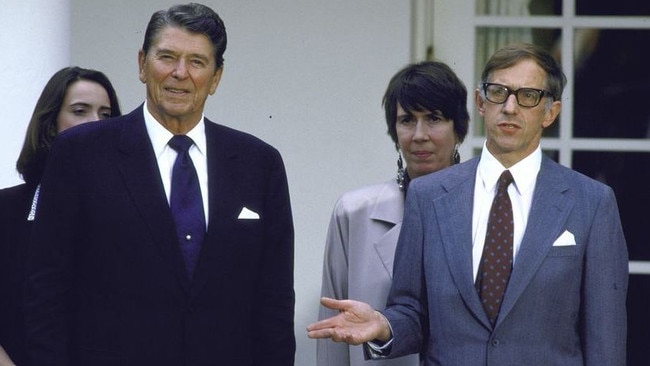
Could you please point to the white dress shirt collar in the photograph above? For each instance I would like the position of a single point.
(524, 172)
(160, 136)
(165, 155)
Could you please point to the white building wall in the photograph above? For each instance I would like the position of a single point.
(34, 43)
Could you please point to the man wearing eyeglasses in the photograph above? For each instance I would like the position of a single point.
(545, 285)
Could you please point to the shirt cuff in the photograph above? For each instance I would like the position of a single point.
(376, 349)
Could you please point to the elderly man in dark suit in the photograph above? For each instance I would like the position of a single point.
(550, 289)
(125, 267)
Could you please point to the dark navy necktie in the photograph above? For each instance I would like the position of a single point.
(496, 260)
(186, 203)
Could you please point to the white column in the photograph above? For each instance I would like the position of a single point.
(34, 43)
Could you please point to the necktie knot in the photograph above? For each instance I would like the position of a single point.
(180, 143)
(504, 181)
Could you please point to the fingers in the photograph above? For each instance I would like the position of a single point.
(334, 304)
(322, 329)
(332, 327)
(325, 327)
(336, 334)
(320, 325)
(347, 305)
(316, 333)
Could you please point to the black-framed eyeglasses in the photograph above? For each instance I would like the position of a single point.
(526, 97)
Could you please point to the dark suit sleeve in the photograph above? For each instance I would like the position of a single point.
(406, 305)
(14, 235)
(274, 337)
(48, 265)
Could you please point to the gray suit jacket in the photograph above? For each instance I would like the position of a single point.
(358, 263)
(564, 305)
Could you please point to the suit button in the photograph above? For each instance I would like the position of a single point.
(495, 342)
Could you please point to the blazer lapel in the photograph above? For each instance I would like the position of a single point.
(456, 210)
(549, 210)
(142, 179)
(388, 208)
(221, 155)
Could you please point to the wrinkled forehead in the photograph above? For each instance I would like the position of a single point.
(182, 40)
(525, 73)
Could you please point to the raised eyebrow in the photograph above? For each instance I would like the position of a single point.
(520, 88)
(172, 52)
(201, 57)
(434, 114)
(404, 114)
(79, 104)
(161, 51)
(501, 85)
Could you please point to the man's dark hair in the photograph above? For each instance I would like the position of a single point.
(512, 54)
(193, 17)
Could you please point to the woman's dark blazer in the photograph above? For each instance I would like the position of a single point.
(15, 203)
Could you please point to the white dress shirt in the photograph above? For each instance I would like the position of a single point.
(166, 156)
(520, 192)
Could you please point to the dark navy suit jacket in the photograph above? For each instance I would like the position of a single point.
(106, 280)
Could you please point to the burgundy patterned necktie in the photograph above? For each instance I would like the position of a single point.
(496, 260)
(186, 203)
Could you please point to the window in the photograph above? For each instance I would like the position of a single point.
(604, 128)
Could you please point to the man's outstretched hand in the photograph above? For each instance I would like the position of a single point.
(356, 323)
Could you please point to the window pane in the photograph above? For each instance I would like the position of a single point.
(553, 154)
(518, 7)
(627, 174)
(612, 84)
(609, 7)
(638, 320)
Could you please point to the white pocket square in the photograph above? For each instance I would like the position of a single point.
(247, 214)
(565, 239)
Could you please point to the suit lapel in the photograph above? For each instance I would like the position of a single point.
(549, 210)
(142, 179)
(389, 209)
(221, 156)
(456, 210)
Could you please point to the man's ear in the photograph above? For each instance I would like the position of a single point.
(142, 74)
(216, 78)
(552, 113)
(480, 103)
